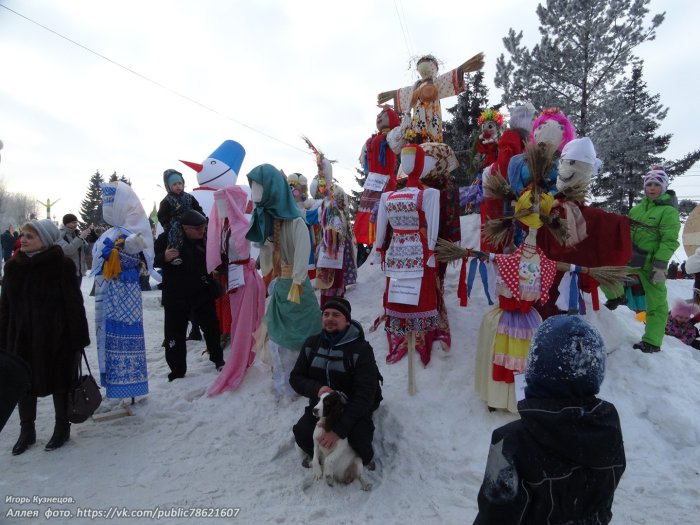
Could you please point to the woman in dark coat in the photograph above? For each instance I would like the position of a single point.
(42, 320)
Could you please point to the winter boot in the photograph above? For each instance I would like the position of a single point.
(61, 434)
(27, 437)
(611, 304)
(645, 347)
(61, 431)
(27, 415)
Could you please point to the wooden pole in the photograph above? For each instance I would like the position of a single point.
(411, 341)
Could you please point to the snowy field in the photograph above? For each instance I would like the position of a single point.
(182, 449)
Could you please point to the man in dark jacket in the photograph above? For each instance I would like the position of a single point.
(339, 358)
(561, 462)
(187, 288)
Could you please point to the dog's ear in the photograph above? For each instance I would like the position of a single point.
(332, 410)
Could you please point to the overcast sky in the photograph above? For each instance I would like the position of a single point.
(260, 72)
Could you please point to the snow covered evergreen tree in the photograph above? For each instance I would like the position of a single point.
(459, 132)
(91, 205)
(580, 65)
(585, 49)
(355, 195)
(122, 178)
(629, 143)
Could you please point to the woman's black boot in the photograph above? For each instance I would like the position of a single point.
(27, 437)
(61, 432)
(27, 415)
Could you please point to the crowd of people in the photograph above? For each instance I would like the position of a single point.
(252, 264)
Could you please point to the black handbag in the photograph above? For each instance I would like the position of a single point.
(85, 397)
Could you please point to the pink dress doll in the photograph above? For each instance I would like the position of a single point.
(228, 226)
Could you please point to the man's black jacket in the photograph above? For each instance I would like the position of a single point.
(346, 365)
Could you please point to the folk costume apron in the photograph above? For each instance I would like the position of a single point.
(407, 259)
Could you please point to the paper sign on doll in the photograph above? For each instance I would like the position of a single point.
(326, 261)
(235, 276)
(405, 291)
(375, 182)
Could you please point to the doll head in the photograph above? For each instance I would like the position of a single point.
(577, 164)
(323, 182)
(552, 128)
(491, 122)
(387, 119)
(427, 67)
(298, 184)
(522, 116)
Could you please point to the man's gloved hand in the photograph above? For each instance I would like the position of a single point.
(658, 272)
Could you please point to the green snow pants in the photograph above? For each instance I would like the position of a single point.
(657, 305)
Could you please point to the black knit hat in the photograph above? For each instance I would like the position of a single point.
(193, 218)
(340, 304)
(69, 217)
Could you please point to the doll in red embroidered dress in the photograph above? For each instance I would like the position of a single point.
(410, 297)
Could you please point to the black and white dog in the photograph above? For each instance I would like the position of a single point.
(339, 463)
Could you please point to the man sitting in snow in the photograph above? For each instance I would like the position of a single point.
(561, 462)
(339, 358)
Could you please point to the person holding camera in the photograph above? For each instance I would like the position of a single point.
(74, 243)
(188, 289)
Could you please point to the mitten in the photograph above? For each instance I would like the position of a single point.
(658, 272)
(134, 244)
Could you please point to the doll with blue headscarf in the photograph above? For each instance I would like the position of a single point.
(292, 313)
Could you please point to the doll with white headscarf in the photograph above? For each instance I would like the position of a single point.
(121, 348)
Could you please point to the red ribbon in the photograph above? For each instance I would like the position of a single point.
(462, 286)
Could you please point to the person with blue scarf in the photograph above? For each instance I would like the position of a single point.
(293, 312)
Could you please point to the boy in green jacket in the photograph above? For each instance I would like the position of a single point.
(654, 247)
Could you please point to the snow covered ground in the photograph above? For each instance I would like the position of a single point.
(184, 449)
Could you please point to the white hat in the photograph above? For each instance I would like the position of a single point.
(581, 150)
